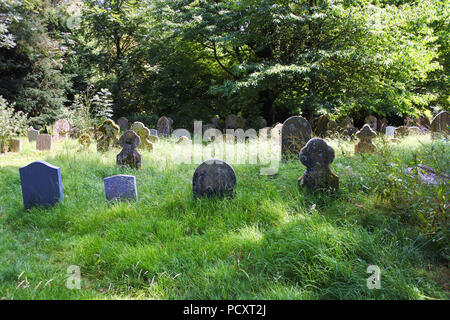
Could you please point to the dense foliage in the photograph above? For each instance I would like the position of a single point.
(192, 59)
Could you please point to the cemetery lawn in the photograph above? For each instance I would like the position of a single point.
(272, 241)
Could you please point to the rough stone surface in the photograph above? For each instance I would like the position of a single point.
(321, 126)
(365, 136)
(41, 184)
(120, 187)
(122, 122)
(295, 133)
(129, 156)
(372, 122)
(441, 123)
(108, 136)
(44, 142)
(164, 126)
(85, 141)
(401, 131)
(32, 134)
(214, 177)
(181, 133)
(317, 156)
(15, 145)
(144, 134)
(136, 126)
(60, 129)
(390, 130)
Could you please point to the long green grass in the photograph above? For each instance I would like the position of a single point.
(271, 241)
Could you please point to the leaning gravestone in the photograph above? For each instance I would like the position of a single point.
(41, 184)
(15, 145)
(129, 156)
(120, 187)
(317, 156)
(372, 122)
(214, 177)
(44, 142)
(60, 129)
(295, 133)
(122, 122)
(390, 130)
(441, 124)
(365, 136)
(164, 126)
(32, 134)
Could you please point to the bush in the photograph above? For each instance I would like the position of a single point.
(12, 123)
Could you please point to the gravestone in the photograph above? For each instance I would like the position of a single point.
(390, 130)
(234, 122)
(215, 122)
(321, 125)
(440, 124)
(122, 122)
(372, 122)
(153, 132)
(44, 142)
(32, 134)
(260, 122)
(144, 134)
(60, 129)
(214, 177)
(424, 123)
(365, 136)
(74, 133)
(85, 141)
(401, 131)
(129, 156)
(295, 133)
(41, 184)
(317, 156)
(15, 145)
(183, 140)
(164, 126)
(136, 126)
(108, 136)
(120, 187)
(181, 133)
(264, 133)
(382, 124)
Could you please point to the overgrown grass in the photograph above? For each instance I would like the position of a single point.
(272, 241)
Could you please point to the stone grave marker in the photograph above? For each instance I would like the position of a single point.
(122, 122)
(108, 136)
(85, 141)
(41, 184)
(181, 133)
(44, 142)
(441, 124)
(295, 133)
(144, 134)
(154, 132)
(136, 126)
(164, 126)
(32, 134)
(15, 145)
(372, 122)
(60, 129)
(390, 130)
(365, 136)
(129, 156)
(317, 156)
(214, 177)
(120, 187)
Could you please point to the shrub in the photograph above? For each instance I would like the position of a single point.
(12, 123)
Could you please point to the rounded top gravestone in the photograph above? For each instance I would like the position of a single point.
(122, 122)
(60, 129)
(441, 123)
(32, 134)
(372, 122)
(178, 133)
(136, 126)
(214, 177)
(295, 133)
(164, 126)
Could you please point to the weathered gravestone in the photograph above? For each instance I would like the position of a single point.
(321, 125)
(441, 124)
(365, 136)
(60, 129)
(181, 133)
(214, 177)
(382, 124)
(41, 184)
(183, 140)
(85, 141)
(234, 122)
(317, 156)
(44, 142)
(107, 136)
(390, 130)
(372, 122)
(15, 145)
(120, 187)
(146, 138)
(295, 133)
(129, 156)
(136, 126)
(164, 126)
(32, 134)
(122, 122)
(401, 131)
(153, 132)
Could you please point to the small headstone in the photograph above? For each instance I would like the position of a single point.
(372, 122)
(32, 134)
(317, 156)
(122, 122)
(164, 126)
(153, 132)
(129, 156)
(136, 126)
(44, 142)
(108, 136)
(144, 134)
(15, 145)
(390, 130)
(321, 125)
(214, 178)
(234, 122)
(441, 124)
(181, 133)
(120, 187)
(60, 129)
(41, 184)
(295, 133)
(401, 131)
(215, 121)
(74, 133)
(365, 136)
(85, 141)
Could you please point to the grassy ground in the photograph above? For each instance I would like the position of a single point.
(272, 241)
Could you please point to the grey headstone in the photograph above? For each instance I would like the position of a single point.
(214, 177)
(129, 156)
(153, 132)
(41, 184)
(390, 131)
(60, 129)
(164, 126)
(32, 134)
(120, 187)
(122, 122)
(295, 133)
(181, 133)
(44, 142)
(372, 122)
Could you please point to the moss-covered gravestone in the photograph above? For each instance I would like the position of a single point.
(365, 136)
(129, 156)
(214, 177)
(107, 136)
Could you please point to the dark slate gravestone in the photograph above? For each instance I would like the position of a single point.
(214, 177)
(120, 187)
(164, 126)
(122, 122)
(41, 184)
(295, 133)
